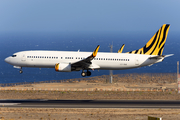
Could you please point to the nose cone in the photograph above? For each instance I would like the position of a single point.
(7, 60)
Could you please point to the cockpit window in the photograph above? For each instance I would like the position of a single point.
(14, 55)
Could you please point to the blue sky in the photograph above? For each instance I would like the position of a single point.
(88, 15)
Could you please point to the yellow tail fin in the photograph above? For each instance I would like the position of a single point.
(156, 44)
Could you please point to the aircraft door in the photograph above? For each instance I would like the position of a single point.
(136, 61)
(23, 57)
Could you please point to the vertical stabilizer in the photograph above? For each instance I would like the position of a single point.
(156, 44)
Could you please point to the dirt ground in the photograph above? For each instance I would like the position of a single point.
(94, 95)
(161, 81)
(121, 81)
(71, 89)
(86, 114)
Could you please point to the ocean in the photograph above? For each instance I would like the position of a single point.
(84, 41)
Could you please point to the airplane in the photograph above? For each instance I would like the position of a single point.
(68, 61)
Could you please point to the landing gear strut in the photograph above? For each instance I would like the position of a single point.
(88, 73)
(21, 71)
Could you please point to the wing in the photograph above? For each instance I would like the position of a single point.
(86, 63)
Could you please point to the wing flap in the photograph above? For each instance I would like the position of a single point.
(94, 66)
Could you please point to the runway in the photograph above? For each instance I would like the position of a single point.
(175, 104)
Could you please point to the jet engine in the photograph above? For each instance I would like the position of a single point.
(63, 67)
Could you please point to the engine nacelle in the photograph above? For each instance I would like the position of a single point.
(63, 67)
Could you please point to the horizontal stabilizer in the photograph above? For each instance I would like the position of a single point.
(161, 56)
(157, 57)
(168, 55)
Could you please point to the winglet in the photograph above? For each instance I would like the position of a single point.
(95, 51)
(121, 49)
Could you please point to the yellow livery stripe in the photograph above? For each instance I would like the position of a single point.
(155, 45)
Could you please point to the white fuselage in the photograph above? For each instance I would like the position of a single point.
(103, 60)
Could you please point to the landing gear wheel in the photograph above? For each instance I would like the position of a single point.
(88, 73)
(20, 71)
(83, 74)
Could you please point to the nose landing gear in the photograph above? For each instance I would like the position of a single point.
(88, 73)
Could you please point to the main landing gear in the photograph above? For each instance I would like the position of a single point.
(21, 71)
(88, 73)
